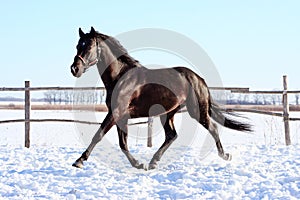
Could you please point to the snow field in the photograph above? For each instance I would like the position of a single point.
(262, 166)
(256, 172)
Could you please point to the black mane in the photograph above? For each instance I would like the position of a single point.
(118, 50)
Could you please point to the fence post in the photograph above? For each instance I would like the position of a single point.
(150, 131)
(27, 114)
(285, 104)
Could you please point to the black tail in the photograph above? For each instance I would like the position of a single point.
(218, 114)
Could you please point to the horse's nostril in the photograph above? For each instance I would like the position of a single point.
(74, 69)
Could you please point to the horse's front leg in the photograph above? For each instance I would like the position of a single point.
(170, 136)
(123, 134)
(107, 123)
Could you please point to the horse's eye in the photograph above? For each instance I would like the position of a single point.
(83, 44)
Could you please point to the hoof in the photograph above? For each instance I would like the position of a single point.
(226, 156)
(78, 164)
(229, 156)
(141, 166)
(152, 166)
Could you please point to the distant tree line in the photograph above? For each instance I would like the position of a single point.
(98, 97)
(74, 97)
(252, 99)
(255, 99)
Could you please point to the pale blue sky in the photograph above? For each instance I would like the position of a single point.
(252, 43)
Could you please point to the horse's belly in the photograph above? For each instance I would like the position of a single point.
(154, 99)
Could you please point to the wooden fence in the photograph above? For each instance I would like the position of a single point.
(27, 107)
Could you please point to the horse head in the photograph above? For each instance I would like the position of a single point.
(88, 52)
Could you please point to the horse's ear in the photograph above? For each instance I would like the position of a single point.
(81, 33)
(93, 32)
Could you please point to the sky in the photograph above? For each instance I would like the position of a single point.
(251, 43)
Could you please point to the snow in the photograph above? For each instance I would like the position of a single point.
(262, 166)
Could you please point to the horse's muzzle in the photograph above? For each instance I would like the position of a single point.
(74, 70)
(77, 71)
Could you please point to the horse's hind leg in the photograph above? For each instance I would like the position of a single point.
(170, 136)
(202, 116)
(213, 130)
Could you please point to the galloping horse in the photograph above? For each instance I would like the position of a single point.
(134, 91)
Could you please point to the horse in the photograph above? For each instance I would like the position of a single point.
(134, 91)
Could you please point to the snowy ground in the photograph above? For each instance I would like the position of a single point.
(262, 166)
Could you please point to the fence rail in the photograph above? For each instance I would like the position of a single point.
(14, 89)
(28, 107)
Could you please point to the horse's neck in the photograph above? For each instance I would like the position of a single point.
(109, 76)
(111, 69)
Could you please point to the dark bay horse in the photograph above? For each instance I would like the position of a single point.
(134, 91)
